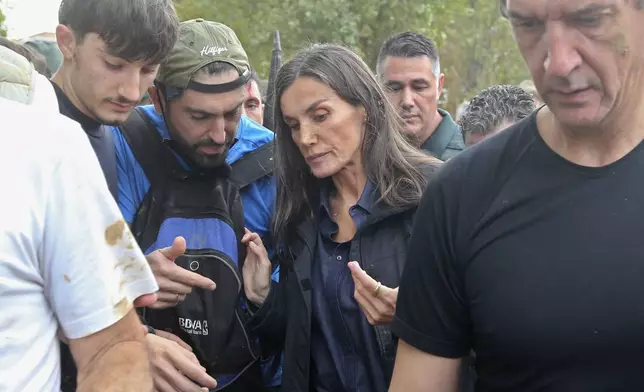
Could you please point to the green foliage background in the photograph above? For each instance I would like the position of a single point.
(475, 43)
(3, 28)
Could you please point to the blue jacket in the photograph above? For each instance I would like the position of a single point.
(258, 198)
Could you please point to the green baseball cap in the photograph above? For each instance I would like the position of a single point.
(200, 43)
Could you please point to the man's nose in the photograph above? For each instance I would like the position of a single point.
(563, 57)
(217, 131)
(407, 98)
(130, 87)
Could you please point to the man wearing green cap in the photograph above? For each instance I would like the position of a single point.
(195, 128)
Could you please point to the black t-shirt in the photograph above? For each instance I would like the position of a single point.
(534, 262)
(100, 137)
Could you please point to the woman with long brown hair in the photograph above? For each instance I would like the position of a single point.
(347, 188)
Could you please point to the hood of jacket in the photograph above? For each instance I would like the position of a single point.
(15, 76)
(20, 82)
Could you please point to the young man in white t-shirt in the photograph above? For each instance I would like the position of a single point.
(67, 261)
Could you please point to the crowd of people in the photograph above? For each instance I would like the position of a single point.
(154, 235)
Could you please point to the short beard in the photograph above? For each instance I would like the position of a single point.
(208, 161)
(191, 152)
(110, 123)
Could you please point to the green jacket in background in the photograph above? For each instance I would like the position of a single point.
(447, 140)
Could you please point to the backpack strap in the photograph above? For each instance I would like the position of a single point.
(152, 154)
(107, 158)
(253, 166)
(159, 164)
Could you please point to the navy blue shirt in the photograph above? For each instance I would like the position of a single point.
(344, 350)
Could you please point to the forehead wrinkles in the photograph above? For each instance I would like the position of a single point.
(552, 10)
(556, 9)
(541, 9)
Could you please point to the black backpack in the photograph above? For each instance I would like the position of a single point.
(206, 209)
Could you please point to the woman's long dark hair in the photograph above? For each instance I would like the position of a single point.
(390, 161)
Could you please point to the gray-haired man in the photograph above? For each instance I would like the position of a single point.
(409, 66)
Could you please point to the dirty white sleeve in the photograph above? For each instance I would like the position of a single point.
(92, 266)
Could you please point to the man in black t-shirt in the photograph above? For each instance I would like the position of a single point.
(527, 248)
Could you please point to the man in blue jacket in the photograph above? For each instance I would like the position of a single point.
(197, 111)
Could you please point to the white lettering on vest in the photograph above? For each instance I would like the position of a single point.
(194, 327)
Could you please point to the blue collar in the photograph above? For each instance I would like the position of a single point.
(366, 202)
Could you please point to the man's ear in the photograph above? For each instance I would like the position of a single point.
(439, 86)
(66, 41)
(155, 95)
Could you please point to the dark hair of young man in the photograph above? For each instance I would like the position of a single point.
(134, 30)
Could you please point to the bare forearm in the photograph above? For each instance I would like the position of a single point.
(114, 359)
(124, 367)
(416, 371)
